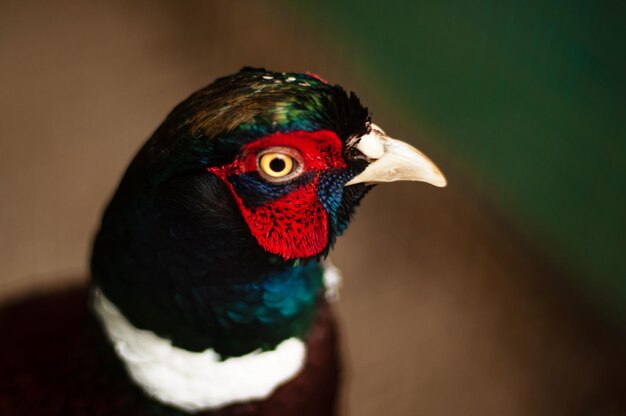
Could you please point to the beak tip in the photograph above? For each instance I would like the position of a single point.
(440, 181)
(441, 184)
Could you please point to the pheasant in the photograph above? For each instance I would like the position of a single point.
(209, 289)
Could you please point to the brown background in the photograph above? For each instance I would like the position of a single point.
(444, 309)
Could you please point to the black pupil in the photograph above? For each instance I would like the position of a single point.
(277, 165)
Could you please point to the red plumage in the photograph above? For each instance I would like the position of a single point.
(282, 226)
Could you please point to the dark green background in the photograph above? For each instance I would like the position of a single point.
(527, 99)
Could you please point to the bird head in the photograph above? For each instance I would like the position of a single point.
(295, 153)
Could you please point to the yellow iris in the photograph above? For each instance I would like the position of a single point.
(276, 165)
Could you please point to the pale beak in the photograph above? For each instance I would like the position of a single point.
(393, 160)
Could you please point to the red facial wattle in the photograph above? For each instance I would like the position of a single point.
(294, 225)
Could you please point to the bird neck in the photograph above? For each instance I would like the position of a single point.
(233, 318)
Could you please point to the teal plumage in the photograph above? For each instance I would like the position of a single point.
(282, 304)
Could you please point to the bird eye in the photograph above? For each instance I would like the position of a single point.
(278, 165)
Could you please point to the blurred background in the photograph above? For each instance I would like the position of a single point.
(503, 294)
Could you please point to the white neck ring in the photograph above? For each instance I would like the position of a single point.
(196, 381)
